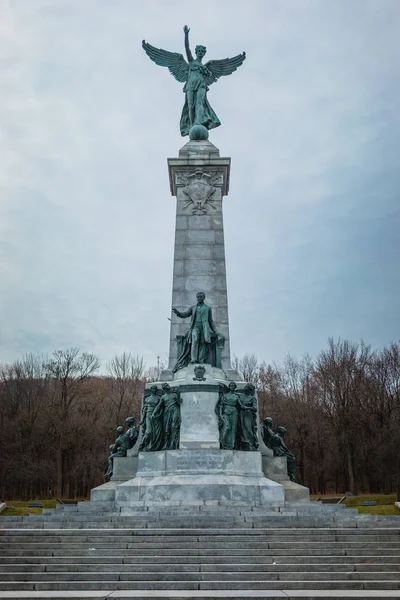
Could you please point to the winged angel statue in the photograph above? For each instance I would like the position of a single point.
(197, 79)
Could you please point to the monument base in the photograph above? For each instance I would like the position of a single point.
(192, 475)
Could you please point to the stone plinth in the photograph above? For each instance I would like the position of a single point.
(218, 475)
(124, 467)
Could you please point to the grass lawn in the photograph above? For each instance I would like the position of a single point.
(384, 503)
(19, 508)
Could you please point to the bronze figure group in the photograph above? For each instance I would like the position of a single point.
(124, 442)
(161, 419)
(237, 418)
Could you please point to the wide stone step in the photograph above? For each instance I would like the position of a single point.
(368, 560)
(204, 545)
(210, 595)
(207, 552)
(103, 586)
(205, 532)
(147, 535)
(176, 576)
(7, 571)
(282, 522)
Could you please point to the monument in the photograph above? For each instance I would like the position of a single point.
(200, 435)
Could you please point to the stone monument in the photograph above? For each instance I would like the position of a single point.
(200, 436)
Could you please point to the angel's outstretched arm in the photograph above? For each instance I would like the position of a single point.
(188, 52)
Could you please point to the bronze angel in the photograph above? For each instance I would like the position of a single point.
(197, 79)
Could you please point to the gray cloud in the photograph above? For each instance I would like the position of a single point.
(86, 218)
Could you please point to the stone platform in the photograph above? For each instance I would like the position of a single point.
(187, 475)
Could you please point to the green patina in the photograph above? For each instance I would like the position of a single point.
(197, 115)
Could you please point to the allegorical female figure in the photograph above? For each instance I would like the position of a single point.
(197, 78)
(169, 410)
(151, 423)
(227, 413)
(247, 430)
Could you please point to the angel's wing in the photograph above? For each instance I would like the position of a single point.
(226, 66)
(175, 62)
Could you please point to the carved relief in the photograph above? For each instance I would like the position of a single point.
(199, 188)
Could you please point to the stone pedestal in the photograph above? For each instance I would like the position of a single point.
(124, 467)
(191, 475)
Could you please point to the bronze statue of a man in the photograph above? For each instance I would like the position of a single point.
(197, 339)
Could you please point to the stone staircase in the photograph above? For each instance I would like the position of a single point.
(201, 549)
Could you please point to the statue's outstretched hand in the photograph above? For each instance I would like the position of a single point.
(186, 29)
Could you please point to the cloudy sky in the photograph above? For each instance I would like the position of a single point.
(87, 122)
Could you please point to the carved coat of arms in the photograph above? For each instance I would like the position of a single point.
(199, 191)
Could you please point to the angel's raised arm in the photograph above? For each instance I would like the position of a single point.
(187, 48)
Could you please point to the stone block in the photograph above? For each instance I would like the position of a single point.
(193, 267)
(220, 267)
(181, 223)
(222, 314)
(219, 237)
(199, 425)
(199, 222)
(197, 283)
(178, 284)
(180, 252)
(178, 268)
(219, 252)
(200, 236)
(217, 222)
(103, 493)
(220, 283)
(180, 237)
(200, 251)
(275, 468)
(124, 468)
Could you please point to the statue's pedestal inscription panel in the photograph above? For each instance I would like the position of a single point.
(200, 462)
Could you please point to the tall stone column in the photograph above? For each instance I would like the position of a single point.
(199, 178)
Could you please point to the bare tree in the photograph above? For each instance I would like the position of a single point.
(341, 373)
(69, 371)
(126, 374)
(247, 367)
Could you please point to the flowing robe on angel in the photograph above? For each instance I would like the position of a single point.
(197, 79)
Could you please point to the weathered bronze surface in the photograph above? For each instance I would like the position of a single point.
(151, 423)
(132, 433)
(121, 446)
(196, 343)
(197, 112)
(227, 413)
(276, 443)
(247, 430)
(169, 408)
(237, 418)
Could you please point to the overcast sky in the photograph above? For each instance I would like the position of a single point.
(87, 121)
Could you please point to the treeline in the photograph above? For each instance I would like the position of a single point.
(341, 410)
(342, 413)
(58, 418)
